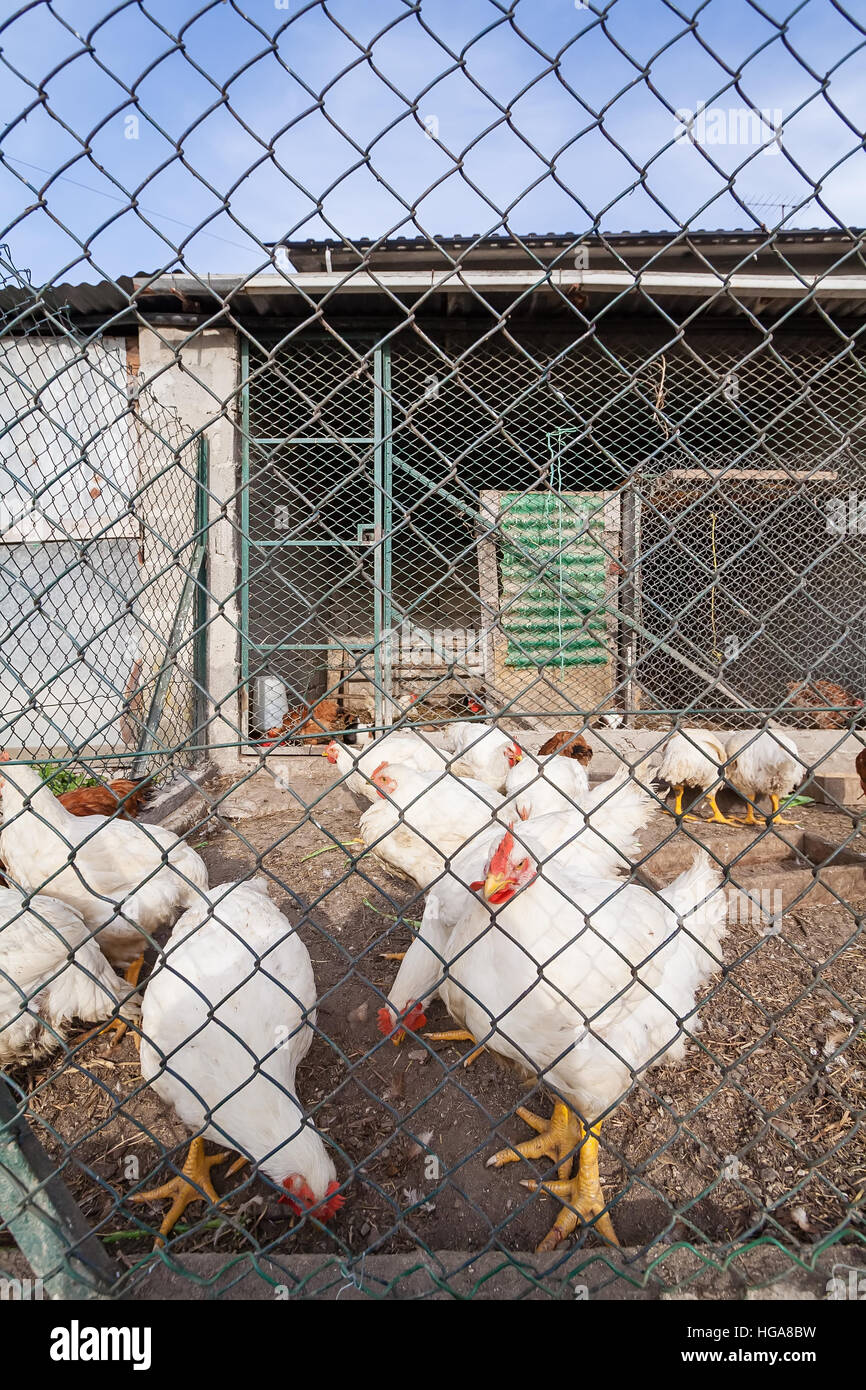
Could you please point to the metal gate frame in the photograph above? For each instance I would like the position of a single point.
(380, 441)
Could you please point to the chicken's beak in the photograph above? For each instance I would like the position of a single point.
(495, 883)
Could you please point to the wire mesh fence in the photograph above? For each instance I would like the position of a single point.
(101, 546)
(432, 671)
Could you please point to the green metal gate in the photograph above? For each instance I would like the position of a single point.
(315, 521)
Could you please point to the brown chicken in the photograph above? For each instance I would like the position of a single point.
(308, 723)
(860, 764)
(104, 801)
(828, 705)
(569, 745)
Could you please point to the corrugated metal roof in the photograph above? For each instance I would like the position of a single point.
(107, 297)
(733, 234)
(311, 254)
(623, 269)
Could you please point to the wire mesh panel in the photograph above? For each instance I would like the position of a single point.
(99, 508)
(689, 430)
(314, 493)
(490, 607)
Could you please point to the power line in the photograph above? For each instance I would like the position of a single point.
(100, 192)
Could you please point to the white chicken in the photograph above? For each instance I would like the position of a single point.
(694, 758)
(602, 836)
(420, 819)
(51, 972)
(598, 842)
(585, 982)
(227, 1018)
(764, 764)
(535, 787)
(126, 879)
(481, 752)
(403, 746)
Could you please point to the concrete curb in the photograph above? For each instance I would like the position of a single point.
(759, 1273)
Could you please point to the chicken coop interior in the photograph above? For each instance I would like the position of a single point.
(433, 689)
(372, 476)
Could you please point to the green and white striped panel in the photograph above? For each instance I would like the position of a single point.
(552, 579)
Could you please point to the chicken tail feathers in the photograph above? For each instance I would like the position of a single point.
(618, 809)
(698, 898)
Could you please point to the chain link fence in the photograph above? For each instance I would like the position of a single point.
(102, 549)
(364, 601)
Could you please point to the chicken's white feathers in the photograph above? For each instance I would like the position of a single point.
(226, 1019)
(693, 758)
(119, 874)
(586, 981)
(480, 752)
(764, 763)
(602, 837)
(427, 819)
(403, 746)
(51, 972)
(598, 841)
(536, 787)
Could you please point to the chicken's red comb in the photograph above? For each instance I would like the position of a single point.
(415, 1017)
(380, 768)
(325, 1210)
(503, 854)
(412, 1018)
(297, 1194)
(300, 1198)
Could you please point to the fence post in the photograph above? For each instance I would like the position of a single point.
(200, 700)
(42, 1216)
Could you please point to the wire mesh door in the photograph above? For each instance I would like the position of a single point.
(316, 538)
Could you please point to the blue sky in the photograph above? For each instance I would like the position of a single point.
(308, 119)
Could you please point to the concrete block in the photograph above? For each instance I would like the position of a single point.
(837, 788)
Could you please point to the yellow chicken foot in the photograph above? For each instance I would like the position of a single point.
(776, 818)
(557, 1138)
(185, 1189)
(583, 1196)
(717, 818)
(117, 1026)
(392, 955)
(678, 807)
(750, 818)
(458, 1035)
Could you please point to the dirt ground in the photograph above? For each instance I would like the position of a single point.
(759, 1129)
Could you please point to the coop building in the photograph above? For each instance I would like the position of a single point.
(616, 475)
